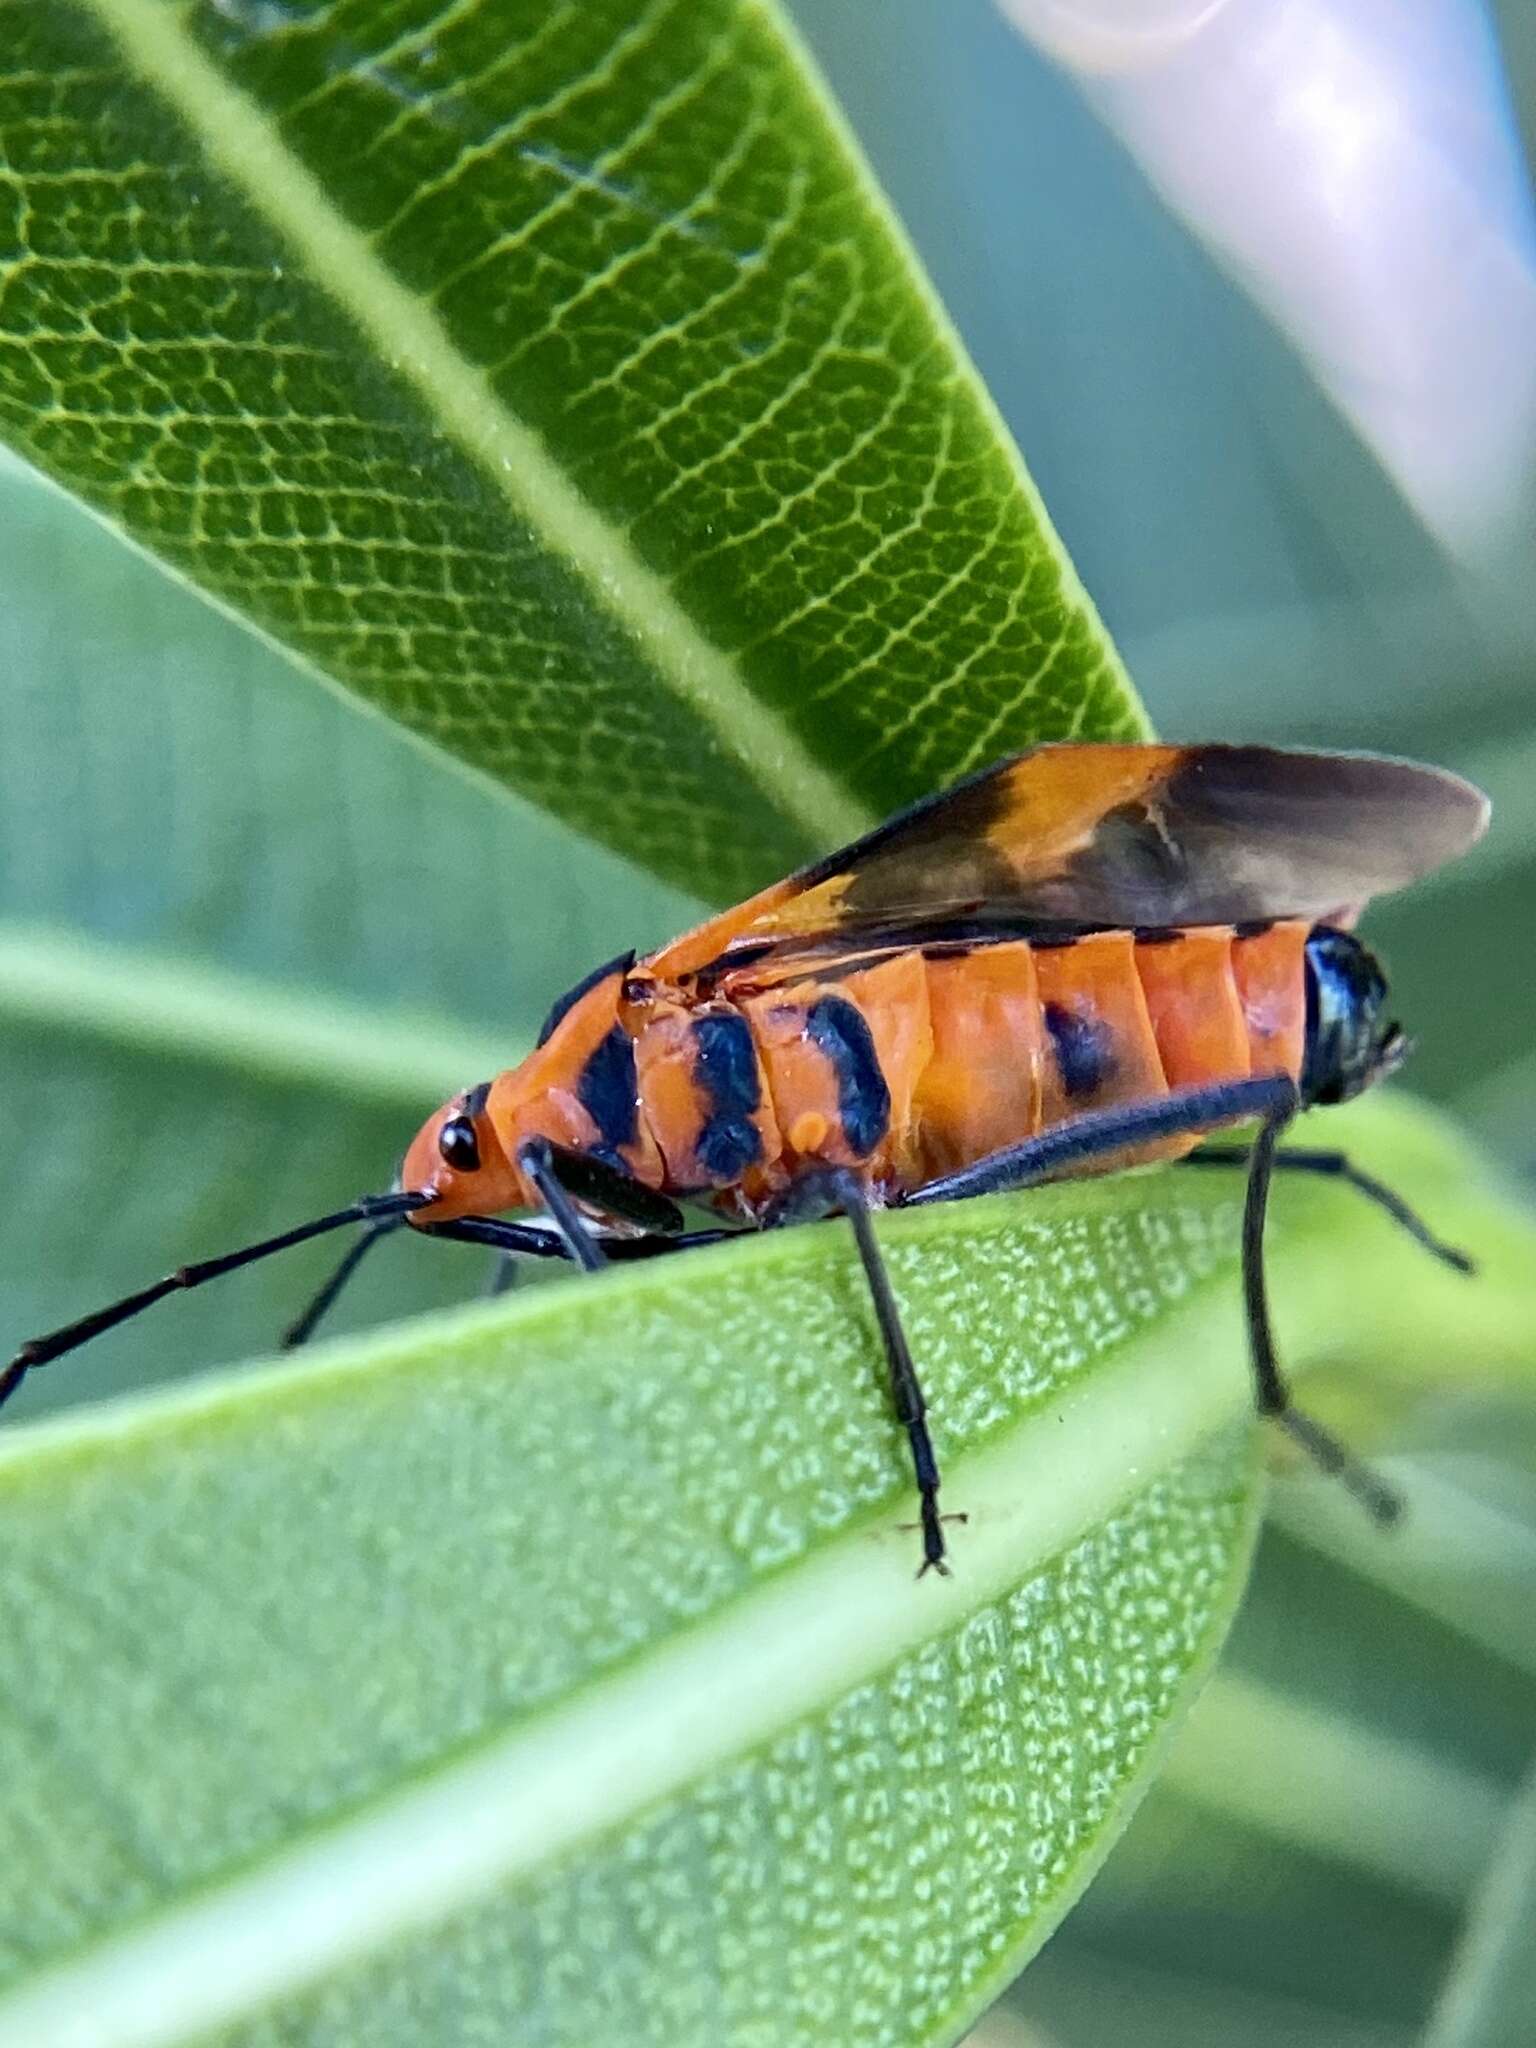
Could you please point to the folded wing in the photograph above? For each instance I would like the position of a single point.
(1068, 838)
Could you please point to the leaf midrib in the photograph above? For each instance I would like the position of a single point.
(580, 1767)
(240, 141)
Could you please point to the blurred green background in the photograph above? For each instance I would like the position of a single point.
(174, 792)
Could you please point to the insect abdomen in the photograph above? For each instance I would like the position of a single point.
(1028, 1035)
(924, 1063)
(842, 1060)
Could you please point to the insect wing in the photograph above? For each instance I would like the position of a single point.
(1071, 838)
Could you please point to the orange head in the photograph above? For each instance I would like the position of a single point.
(457, 1158)
(465, 1156)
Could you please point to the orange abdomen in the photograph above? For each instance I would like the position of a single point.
(925, 1063)
(1028, 1035)
(911, 1067)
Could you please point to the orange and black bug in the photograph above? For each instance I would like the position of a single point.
(1085, 957)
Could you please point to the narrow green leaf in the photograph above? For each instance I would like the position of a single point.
(558, 1669)
(554, 378)
(1235, 1916)
(171, 786)
(651, 1633)
(235, 994)
(1004, 2029)
(1489, 1998)
(188, 1012)
(1502, 1105)
(1083, 1994)
(1296, 1771)
(1467, 1554)
(134, 1162)
(1346, 1773)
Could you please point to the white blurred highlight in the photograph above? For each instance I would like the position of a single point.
(1354, 163)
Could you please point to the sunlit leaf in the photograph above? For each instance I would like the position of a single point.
(556, 379)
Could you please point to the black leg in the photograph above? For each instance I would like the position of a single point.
(1336, 1166)
(503, 1276)
(1103, 1131)
(606, 1187)
(588, 1179)
(1380, 1501)
(1273, 1099)
(536, 1159)
(538, 1241)
(839, 1188)
(304, 1325)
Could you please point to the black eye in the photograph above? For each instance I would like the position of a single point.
(456, 1142)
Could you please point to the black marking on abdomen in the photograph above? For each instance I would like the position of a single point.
(1082, 1048)
(839, 1029)
(1254, 927)
(607, 1090)
(621, 964)
(725, 1068)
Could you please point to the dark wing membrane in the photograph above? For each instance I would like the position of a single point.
(1071, 838)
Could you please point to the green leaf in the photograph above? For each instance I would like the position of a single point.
(1490, 1994)
(1467, 1556)
(1083, 1996)
(1003, 2029)
(556, 380)
(171, 785)
(1250, 1934)
(1344, 1775)
(1346, 1772)
(200, 969)
(563, 1659)
(1426, 1826)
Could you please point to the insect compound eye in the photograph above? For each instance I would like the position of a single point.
(457, 1143)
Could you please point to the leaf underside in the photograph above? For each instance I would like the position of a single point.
(607, 1594)
(555, 379)
(559, 1669)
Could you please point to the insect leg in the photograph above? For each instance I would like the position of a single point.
(609, 1188)
(1103, 1131)
(838, 1188)
(537, 1161)
(589, 1179)
(1337, 1166)
(503, 1277)
(1272, 1098)
(304, 1325)
(510, 1242)
(536, 1240)
(1380, 1501)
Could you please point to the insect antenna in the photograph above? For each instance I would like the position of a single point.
(304, 1325)
(43, 1350)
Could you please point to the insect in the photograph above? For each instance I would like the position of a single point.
(1084, 958)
